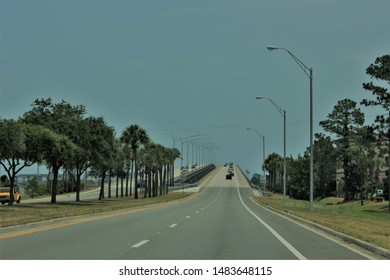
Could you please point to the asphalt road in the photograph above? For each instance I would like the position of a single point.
(218, 223)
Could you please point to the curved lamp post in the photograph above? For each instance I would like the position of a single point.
(283, 113)
(309, 72)
(263, 137)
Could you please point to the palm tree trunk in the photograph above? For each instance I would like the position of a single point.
(117, 186)
(127, 182)
(136, 176)
(131, 178)
(165, 181)
(149, 184)
(161, 180)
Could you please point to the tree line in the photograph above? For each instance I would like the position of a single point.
(61, 136)
(351, 146)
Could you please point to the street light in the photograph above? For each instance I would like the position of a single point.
(182, 142)
(263, 137)
(173, 138)
(309, 72)
(210, 156)
(283, 113)
(197, 141)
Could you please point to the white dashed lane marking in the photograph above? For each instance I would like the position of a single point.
(143, 242)
(139, 244)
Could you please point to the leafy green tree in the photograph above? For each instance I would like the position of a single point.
(57, 151)
(13, 148)
(98, 145)
(368, 159)
(104, 152)
(33, 188)
(299, 176)
(63, 119)
(25, 144)
(379, 71)
(324, 166)
(134, 137)
(344, 122)
(82, 136)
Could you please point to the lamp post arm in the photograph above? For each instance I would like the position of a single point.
(281, 111)
(307, 70)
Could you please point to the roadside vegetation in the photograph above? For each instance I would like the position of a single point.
(350, 157)
(351, 168)
(369, 222)
(63, 138)
(37, 212)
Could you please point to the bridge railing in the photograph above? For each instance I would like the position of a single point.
(190, 179)
(253, 186)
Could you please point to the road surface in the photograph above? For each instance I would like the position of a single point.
(220, 222)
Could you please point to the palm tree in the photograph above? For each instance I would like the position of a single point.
(172, 155)
(146, 159)
(273, 164)
(128, 159)
(134, 137)
(157, 159)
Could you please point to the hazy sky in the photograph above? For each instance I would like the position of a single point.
(189, 67)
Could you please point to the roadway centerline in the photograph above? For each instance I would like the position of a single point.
(143, 242)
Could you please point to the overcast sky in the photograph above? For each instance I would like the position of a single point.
(190, 67)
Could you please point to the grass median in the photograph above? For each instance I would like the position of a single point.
(35, 212)
(369, 222)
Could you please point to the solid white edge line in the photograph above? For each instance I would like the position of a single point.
(320, 232)
(277, 235)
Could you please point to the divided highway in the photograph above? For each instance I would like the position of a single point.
(219, 222)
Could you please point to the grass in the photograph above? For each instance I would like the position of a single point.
(35, 212)
(369, 222)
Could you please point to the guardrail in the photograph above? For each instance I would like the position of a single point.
(194, 176)
(253, 186)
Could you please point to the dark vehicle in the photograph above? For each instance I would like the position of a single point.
(228, 176)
